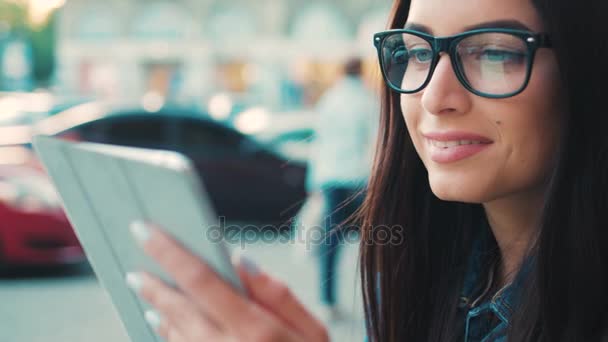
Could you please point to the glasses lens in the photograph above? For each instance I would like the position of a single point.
(406, 60)
(493, 63)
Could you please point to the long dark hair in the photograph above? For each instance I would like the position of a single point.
(411, 290)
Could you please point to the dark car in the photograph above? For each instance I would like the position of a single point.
(246, 180)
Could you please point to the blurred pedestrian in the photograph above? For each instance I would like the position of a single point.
(339, 167)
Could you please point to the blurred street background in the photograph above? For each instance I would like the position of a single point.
(233, 84)
(67, 304)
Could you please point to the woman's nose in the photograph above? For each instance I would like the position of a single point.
(444, 93)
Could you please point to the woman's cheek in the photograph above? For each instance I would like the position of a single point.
(411, 116)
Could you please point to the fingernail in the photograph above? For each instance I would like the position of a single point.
(240, 260)
(153, 318)
(140, 231)
(134, 281)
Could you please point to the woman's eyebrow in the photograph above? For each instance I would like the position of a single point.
(418, 27)
(507, 24)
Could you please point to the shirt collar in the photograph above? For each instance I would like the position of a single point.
(505, 299)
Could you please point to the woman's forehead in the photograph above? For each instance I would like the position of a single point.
(447, 17)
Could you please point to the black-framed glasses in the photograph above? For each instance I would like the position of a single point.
(493, 63)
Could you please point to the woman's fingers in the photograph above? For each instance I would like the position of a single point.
(170, 334)
(212, 306)
(277, 298)
(174, 315)
(160, 325)
(216, 298)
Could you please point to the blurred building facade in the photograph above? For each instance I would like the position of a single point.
(275, 52)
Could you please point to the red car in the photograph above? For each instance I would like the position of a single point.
(34, 231)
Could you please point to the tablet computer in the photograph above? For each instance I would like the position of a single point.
(105, 187)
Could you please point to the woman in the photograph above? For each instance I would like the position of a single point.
(492, 163)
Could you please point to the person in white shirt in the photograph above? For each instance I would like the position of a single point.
(340, 166)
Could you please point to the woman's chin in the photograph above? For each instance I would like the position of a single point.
(455, 191)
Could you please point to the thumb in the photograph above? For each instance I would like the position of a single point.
(277, 298)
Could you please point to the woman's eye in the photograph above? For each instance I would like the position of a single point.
(421, 55)
(501, 56)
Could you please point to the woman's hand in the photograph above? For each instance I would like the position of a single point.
(203, 307)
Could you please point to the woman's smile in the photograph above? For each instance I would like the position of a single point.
(452, 146)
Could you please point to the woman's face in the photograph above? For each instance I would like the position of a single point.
(521, 132)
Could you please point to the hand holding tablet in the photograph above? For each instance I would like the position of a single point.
(203, 307)
(142, 217)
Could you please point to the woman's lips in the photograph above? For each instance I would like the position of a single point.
(449, 147)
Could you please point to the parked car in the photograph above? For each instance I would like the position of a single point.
(34, 230)
(247, 181)
(289, 134)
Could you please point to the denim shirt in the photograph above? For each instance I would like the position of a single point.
(486, 318)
